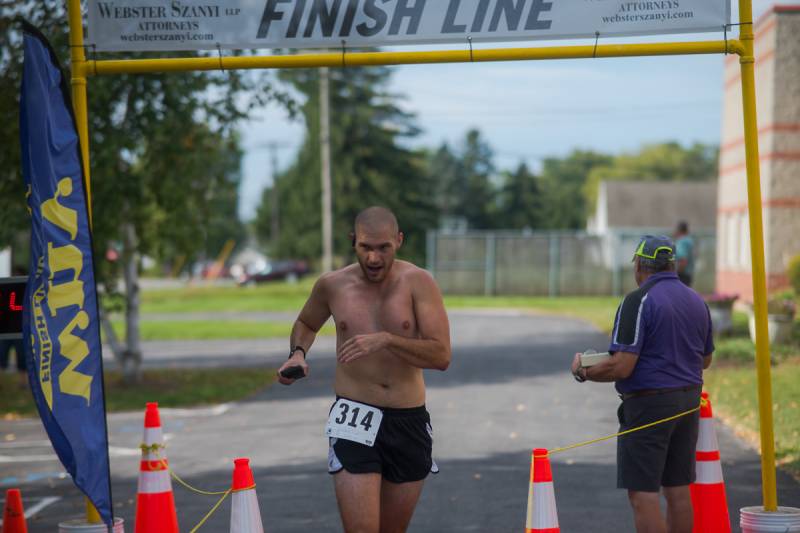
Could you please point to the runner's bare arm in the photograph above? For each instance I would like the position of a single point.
(313, 316)
(430, 350)
(707, 360)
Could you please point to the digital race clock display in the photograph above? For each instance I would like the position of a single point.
(12, 294)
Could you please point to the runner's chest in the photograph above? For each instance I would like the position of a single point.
(359, 313)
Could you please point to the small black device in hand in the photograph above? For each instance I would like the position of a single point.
(293, 372)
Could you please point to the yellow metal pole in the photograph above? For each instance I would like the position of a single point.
(747, 61)
(92, 516)
(79, 102)
(79, 105)
(362, 59)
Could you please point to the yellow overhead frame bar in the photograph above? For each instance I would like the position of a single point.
(364, 59)
(743, 47)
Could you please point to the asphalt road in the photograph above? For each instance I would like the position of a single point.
(507, 391)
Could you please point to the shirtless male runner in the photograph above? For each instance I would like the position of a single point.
(390, 324)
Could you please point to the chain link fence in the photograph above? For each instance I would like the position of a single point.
(553, 263)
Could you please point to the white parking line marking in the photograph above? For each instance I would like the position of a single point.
(27, 458)
(117, 451)
(25, 444)
(35, 508)
(113, 451)
(216, 410)
(41, 505)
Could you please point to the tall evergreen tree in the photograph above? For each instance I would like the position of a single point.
(473, 189)
(444, 167)
(370, 166)
(521, 200)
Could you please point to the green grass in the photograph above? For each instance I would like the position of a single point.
(168, 387)
(209, 330)
(733, 387)
(291, 297)
(597, 310)
(265, 297)
(734, 396)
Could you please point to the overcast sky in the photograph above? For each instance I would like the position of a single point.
(529, 110)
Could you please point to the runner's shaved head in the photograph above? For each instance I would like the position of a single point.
(377, 217)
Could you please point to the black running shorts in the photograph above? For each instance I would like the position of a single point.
(402, 450)
(662, 455)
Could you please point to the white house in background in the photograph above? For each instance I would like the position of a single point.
(626, 210)
(631, 206)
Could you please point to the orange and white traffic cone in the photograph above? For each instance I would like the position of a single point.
(708, 491)
(542, 513)
(13, 515)
(155, 503)
(245, 514)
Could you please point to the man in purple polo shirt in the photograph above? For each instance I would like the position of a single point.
(660, 345)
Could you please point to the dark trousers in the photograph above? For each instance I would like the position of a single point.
(5, 349)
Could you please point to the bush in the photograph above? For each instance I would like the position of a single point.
(794, 273)
(741, 350)
(782, 305)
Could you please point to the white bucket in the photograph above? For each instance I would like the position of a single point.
(82, 526)
(757, 520)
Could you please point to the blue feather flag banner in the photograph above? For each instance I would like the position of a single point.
(60, 313)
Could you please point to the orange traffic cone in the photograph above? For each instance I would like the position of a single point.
(13, 515)
(155, 504)
(245, 514)
(708, 491)
(542, 513)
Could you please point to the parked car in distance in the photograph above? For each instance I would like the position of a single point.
(287, 270)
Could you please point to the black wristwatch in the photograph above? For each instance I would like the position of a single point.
(577, 375)
(296, 349)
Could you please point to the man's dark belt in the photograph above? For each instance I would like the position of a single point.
(653, 392)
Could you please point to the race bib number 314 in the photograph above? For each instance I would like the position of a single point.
(354, 421)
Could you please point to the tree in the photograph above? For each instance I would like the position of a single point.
(199, 221)
(164, 156)
(473, 188)
(656, 162)
(563, 180)
(520, 200)
(463, 181)
(444, 167)
(370, 166)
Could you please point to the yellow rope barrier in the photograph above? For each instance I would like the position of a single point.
(193, 489)
(703, 403)
(213, 509)
(219, 502)
(155, 449)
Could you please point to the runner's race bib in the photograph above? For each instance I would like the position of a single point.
(354, 421)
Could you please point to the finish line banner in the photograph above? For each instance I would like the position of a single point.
(142, 25)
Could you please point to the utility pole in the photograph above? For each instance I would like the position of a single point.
(325, 163)
(274, 203)
(274, 226)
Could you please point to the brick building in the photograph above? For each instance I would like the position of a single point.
(777, 72)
